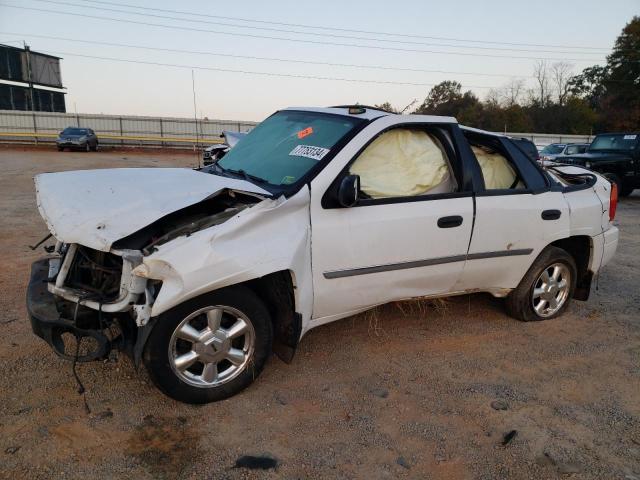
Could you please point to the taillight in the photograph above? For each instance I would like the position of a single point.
(613, 201)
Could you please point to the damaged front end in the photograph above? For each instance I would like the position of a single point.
(86, 302)
(80, 296)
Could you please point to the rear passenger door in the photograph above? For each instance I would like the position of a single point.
(407, 235)
(517, 215)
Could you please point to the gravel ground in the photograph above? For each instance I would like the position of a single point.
(422, 391)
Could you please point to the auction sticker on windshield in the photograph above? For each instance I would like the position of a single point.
(315, 153)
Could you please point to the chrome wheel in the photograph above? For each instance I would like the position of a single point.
(551, 290)
(212, 346)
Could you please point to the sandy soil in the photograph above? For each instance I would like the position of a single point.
(396, 394)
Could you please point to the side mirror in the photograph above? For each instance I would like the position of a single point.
(348, 191)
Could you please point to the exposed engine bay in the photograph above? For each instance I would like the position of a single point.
(97, 296)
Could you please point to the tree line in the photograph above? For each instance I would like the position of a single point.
(598, 99)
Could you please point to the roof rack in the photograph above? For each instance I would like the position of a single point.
(367, 107)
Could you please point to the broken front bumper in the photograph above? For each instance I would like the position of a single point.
(47, 323)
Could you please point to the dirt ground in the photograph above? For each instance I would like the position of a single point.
(399, 393)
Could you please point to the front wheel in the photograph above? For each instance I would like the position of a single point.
(210, 348)
(546, 289)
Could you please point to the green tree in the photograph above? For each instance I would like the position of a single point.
(623, 82)
(442, 96)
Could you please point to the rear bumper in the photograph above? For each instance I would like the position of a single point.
(610, 245)
(47, 323)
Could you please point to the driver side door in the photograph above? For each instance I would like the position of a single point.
(394, 247)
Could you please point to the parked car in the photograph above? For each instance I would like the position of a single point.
(528, 147)
(215, 152)
(614, 155)
(316, 215)
(75, 138)
(556, 151)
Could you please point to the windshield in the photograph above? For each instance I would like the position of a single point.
(283, 148)
(74, 131)
(552, 149)
(620, 142)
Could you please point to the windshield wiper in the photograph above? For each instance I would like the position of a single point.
(247, 176)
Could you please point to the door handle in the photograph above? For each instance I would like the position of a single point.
(551, 214)
(450, 222)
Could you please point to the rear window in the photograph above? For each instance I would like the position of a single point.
(574, 149)
(552, 149)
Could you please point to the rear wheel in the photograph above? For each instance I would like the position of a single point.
(211, 347)
(546, 289)
(626, 190)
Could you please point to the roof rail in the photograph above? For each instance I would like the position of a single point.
(368, 107)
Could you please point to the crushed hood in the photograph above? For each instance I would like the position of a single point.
(98, 207)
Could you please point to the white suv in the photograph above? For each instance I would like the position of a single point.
(318, 214)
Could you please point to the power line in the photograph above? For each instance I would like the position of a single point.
(250, 57)
(373, 47)
(322, 34)
(324, 28)
(254, 72)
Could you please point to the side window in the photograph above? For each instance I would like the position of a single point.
(497, 168)
(404, 162)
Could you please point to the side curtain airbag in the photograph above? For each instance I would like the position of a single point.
(402, 163)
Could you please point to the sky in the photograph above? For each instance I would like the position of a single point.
(427, 35)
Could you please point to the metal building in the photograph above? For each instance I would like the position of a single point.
(30, 81)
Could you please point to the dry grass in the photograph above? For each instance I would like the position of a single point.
(419, 307)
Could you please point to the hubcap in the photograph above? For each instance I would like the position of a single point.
(551, 290)
(211, 346)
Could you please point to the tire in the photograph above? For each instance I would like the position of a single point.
(171, 348)
(61, 149)
(625, 191)
(87, 147)
(521, 301)
(95, 147)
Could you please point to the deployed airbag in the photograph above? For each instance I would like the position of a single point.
(496, 170)
(402, 163)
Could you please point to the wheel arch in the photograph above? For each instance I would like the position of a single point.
(277, 291)
(580, 247)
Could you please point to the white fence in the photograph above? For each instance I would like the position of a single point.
(543, 139)
(134, 131)
(116, 130)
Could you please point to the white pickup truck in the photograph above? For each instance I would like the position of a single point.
(318, 214)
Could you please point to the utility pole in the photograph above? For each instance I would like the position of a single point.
(31, 99)
(195, 114)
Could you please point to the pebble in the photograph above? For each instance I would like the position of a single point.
(499, 405)
(403, 462)
(12, 450)
(106, 414)
(380, 392)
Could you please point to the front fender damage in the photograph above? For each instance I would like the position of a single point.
(253, 245)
